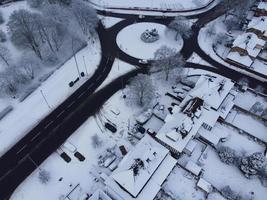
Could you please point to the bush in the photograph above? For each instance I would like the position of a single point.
(227, 155)
(253, 164)
(230, 194)
(44, 176)
(96, 141)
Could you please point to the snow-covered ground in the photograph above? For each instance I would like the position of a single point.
(130, 42)
(248, 123)
(55, 90)
(181, 186)
(247, 99)
(220, 175)
(235, 140)
(195, 58)
(179, 5)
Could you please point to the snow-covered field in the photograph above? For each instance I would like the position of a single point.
(130, 42)
(55, 90)
(153, 4)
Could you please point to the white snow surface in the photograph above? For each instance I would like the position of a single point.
(130, 42)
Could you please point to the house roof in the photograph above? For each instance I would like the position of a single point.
(148, 183)
(242, 59)
(212, 90)
(133, 176)
(193, 167)
(249, 42)
(204, 185)
(258, 23)
(99, 195)
(262, 5)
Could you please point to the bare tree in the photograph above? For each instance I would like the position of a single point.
(165, 60)
(85, 16)
(2, 36)
(96, 141)
(140, 91)
(1, 18)
(44, 176)
(5, 56)
(24, 32)
(28, 65)
(181, 26)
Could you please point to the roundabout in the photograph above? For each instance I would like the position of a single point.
(130, 42)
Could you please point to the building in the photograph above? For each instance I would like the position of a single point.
(99, 195)
(141, 172)
(258, 25)
(261, 9)
(246, 49)
(202, 107)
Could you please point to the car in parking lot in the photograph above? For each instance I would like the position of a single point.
(78, 155)
(111, 127)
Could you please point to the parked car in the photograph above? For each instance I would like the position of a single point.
(63, 155)
(111, 127)
(78, 155)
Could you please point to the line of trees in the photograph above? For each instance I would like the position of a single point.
(44, 35)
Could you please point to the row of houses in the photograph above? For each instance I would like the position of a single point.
(248, 46)
(143, 170)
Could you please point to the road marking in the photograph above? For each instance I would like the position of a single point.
(81, 94)
(36, 136)
(48, 124)
(98, 78)
(21, 149)
(70, 104)
(91, 85)
(60, 113)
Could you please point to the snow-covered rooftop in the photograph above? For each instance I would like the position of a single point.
(138, 166)
(242, 59)
(193, 168)
(212, 90)
(249, 42)
(180, 127)
(204, 185)
(99, 195)
(157, 164)
(262, 5)
(259, 23)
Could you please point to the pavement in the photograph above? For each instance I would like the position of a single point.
(24, 157)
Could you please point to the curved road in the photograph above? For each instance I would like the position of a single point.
(53, 130)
